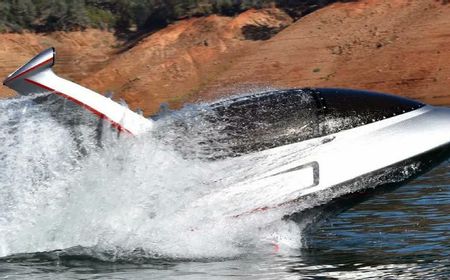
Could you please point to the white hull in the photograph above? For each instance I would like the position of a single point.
(334, 162)
(286, 172)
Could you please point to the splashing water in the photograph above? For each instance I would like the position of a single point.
(127, 198)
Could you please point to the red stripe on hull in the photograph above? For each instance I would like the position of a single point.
(114, 124)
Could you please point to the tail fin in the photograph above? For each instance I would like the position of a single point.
(37, 76)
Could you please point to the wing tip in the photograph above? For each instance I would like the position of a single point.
(45, 58)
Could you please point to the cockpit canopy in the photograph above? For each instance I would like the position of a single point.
(276, 118)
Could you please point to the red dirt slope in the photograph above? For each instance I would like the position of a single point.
(173, 64)
(396, 46)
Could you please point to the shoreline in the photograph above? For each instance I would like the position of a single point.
(395, 47)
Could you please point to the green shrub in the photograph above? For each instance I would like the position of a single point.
(100, 18)
(50, 15)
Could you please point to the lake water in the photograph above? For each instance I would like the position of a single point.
(65, 200)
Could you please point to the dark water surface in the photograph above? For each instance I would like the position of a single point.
(403, 234)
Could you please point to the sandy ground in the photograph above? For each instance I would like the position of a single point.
(397, 46)
(400, 46)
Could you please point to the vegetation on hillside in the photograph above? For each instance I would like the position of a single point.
(123, 15)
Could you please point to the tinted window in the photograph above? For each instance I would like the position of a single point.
(341, 109)
(276, 118)
(268, 120)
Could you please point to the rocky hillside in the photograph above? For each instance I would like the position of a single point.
(176, 63)
(398, 46)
